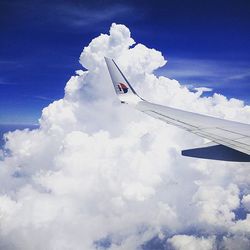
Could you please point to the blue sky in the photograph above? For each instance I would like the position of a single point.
(205, 43)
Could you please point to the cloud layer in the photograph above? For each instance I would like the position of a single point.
(100, 175)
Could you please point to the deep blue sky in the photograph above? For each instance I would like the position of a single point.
(207, 43)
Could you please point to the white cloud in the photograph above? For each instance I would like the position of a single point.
(185, 242)
(203, 89)
(216, 204)
(235, 242)
(246, 202)
(97, 171)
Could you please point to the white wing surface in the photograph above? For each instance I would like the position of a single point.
(231, 139)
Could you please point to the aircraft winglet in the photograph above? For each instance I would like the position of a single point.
(123, 89)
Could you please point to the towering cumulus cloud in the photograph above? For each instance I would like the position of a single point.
(100, 175)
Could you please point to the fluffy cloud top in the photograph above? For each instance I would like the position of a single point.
(183, 242)
(100, 175)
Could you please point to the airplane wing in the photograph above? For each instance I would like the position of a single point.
(231, 140)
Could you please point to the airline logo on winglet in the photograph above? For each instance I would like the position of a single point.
(122, 88)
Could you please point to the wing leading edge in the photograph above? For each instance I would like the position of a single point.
(232, 139)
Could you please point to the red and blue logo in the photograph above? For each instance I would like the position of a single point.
(122, 88)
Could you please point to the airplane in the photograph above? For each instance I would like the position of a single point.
(230, 140)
